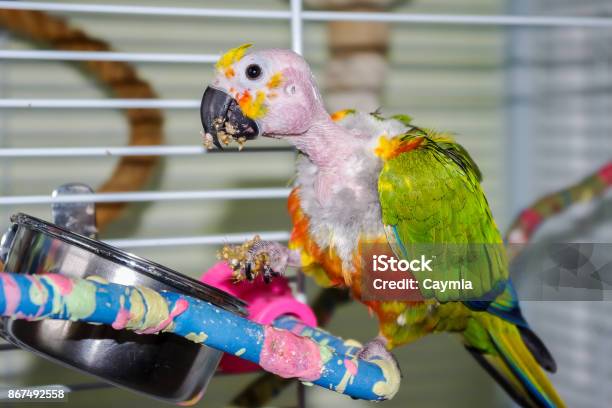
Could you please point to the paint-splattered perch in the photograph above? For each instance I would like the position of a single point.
(329, 363)
(348, 348)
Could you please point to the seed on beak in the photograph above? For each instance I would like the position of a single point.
(230, 129)
(241, 141)
(218, 123)
(226, 132)
(224, 137)
(208, 140)
(224, 120)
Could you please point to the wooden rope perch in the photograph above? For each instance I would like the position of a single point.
(121, 80)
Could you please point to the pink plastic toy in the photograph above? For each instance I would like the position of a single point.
(266, 303)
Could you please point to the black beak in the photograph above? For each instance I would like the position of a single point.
(222, 118)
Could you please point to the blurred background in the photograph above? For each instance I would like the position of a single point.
(530, 100)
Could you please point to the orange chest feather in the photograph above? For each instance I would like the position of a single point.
(326, 267)
(312, 254)
(325, 259)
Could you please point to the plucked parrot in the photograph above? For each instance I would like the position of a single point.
(363, 178)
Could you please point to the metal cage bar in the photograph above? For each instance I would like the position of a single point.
(227, 194)
(100, 103)
(101, 151)
(51, 55)
(421, 18)
(219, 239)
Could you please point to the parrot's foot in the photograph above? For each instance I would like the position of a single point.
(377, 350)
(256, 256)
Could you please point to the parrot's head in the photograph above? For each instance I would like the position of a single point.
(269, 93)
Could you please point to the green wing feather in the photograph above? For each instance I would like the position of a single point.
(433, 204)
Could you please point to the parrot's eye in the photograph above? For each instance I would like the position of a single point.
(253, 71)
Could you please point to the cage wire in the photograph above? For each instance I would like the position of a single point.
(527, 45)
(561, 122)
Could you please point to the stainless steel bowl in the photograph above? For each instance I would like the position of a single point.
(164, 366)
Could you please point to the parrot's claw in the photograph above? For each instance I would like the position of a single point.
(268, 274)
(266, 257)
(248, 272)
(254, 257)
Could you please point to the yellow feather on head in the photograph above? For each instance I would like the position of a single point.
(275, 80)
(232, 56)
(253, 108)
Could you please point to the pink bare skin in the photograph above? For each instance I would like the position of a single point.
(321, 132)
(296, 114)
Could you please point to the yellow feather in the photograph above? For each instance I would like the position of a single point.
(253, 108)
(232, 56)
(275, 80)
(341, 114)
(386, 147)
(508, 336)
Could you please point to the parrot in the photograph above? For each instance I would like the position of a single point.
(363, 178)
